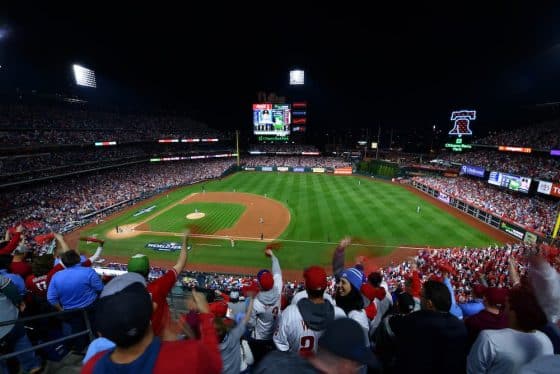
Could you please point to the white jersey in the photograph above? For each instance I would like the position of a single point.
(303, 295)
(294, 335)
(266, 307)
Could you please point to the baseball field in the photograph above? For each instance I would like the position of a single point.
(232, 219)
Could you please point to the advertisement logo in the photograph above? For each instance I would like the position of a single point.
(145, 210)
(544, 187)
(165, 246)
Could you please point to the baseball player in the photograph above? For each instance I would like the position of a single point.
(302, 324)
(266, 309)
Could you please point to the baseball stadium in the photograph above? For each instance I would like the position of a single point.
(339, 191)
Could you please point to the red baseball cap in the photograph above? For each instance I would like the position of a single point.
(496, 296)
(315, 278)
(266, 280)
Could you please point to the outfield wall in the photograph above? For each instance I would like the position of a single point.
(514, 229)
(300, 169)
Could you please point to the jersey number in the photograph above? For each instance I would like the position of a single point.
(306, 345)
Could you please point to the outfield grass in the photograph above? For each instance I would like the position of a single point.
(217, 216)
(324, 208)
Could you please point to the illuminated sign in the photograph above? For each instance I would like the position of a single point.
(168, 141)
(374, 145)
(462, 120)
(555, 152)
(458, 146)
(104, 144)
(514, 149)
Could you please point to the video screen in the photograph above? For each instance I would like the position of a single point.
(512, 182)
(271, 119)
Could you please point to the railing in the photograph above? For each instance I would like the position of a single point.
(87, 331)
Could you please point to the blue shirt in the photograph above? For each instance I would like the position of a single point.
(455, 310)
(74, 287)
(472, 307)
(16, 279)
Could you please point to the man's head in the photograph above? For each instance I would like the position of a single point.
(523, 310)
(343, 348)
(495, 297)
(315, 281)
(234, 296)
(41, 265)
(405, 303)
(124, 310)
(265, 279)
(435, 296)
(140, 264)
(70, 258)
(375, 278)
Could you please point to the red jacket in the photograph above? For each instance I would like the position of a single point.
(183, 356)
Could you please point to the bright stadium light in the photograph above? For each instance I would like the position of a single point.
(297, 77)
(84, 77)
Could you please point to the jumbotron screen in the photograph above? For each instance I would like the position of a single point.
(272, 119)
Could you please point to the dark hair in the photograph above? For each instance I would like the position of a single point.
(41, 265)
(352, 301)
(528, 313)
(70, 258)
(405, 303)
(438, 294)
(375, 278)
(315, 294)
(5, 261)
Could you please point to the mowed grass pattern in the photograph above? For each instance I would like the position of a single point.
(324, 209)
(217, 216)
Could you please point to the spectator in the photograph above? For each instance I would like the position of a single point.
(160, 288)
(125, 311)
(342, 349)
(431, 340)
(301, 325)
(492, 317)
(506, 350)
(266, 308)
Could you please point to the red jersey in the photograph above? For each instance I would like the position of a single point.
(21, 268)
(37, 285)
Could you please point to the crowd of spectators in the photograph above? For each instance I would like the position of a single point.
(301, 161)
(543, 136)
(32, 125)
(528, 165)
(62, 205)
(534, 213)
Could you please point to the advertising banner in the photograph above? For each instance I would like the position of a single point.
(248, 168)
(510, 229)
(475, 171)
(530, 238)
(443, 197)
(544, 187)
(282, 168)
(266, 168)
(165, 246)
(299, 170)
(318, 170)
(145, 210)
(343, 171)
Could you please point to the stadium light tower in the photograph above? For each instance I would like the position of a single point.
(297, 77)
(84, 76)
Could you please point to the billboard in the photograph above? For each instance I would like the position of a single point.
(272, 119)
(443, 197)
(549, 188)
(475, 171)
(510, 181)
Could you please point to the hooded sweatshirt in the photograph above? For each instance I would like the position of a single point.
(302, 325)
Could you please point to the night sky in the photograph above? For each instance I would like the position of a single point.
(397, 65)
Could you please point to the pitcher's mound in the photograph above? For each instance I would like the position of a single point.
(195, 215)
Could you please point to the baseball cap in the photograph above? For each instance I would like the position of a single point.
(406, 302)
(265, 279)
(496, 296)
(124, 310)
(140, 264)
(345, 338)
(315, 278)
